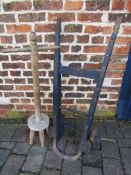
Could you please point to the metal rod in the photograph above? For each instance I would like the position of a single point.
(35, 73)
(74, 111)
(40, 48)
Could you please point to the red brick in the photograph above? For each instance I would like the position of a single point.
(45, 27)
(116, 82)
(45, 56)
(75, 48)
(67, 38)
(103, 95)
(75, 65)
(13, 65)
(121, 50)
(6, 87)
(15, 73)
(43, 65)
(6, 106)
(113, 96)
(72, 28)
(129, 5)
(50, 38)
(19, 81)
(127, 30)
(83, 39)
(117, 66)
(9, 81)
(22, 28)
(73, 81)
(85, 81)
(114, 74)
(4, 58)
(21, 38)
(92, 66)
(85, 88)
(118, 57)
(42, 73)
(49, 107)
(20, 57)
(113, 17)
(17, 6)
(29, 94)
(79, 57)
(74, 95)
(27, 73)
(6, 39)
(44, 81)
(121, 40)
(47, 101)
(7, 18)
(118, 5)
(39, 38)
(31, 17)
(24, 88)
(1, 28)
(94, 49)
(62, 16)
(67, 88)
(73, 5)
(97, 40)
(91, 17)
(98, 29)
(47, 5)
(25, 107)
(94, 5)
(96, 58)
(64, 48)
(4, 73)
(14, 94)
(14, 100)
(45, 88)
(25, 100)
(64, 38)
(67, 101)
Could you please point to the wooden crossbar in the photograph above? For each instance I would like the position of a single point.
(40, 48)
(92, 74)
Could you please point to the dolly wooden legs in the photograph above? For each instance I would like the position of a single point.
(41, 137)
(32, 134)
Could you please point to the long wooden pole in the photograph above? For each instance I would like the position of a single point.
(35, 73)
(40, 48)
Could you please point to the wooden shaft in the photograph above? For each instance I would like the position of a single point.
(32, 134)
(35, 73)
(40, 48)
(41, 137)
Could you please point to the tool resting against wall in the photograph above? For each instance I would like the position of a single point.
(58, 119)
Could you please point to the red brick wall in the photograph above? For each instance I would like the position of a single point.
(86, 29)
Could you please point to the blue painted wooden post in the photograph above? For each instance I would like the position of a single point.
(57, 117)
(90, 114)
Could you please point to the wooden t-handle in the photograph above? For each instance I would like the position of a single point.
(35, 73)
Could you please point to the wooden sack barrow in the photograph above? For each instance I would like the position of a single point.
(58, 120)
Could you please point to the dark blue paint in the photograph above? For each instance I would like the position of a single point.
(88, 127)
(124, 101)
(58, 70)
(79, 72)
(57, 117)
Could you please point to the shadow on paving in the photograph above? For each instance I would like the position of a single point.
(110, 154)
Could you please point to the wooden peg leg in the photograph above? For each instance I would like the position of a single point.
(32, 134)
(41, 136)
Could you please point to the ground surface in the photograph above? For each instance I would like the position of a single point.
(108, 157)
